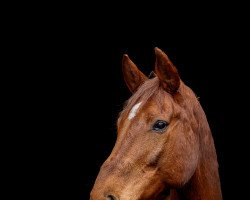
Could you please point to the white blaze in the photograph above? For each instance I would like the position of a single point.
(133, 111)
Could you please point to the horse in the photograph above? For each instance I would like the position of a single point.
(164, 148)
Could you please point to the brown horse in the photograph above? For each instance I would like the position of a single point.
(164, 148)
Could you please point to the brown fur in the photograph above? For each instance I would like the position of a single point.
(132, 76)
(144, 164)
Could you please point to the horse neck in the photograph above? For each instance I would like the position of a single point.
(205, 183)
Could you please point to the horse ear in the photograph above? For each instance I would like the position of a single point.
(132, 75)
(166, 72)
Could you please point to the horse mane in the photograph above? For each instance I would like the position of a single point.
(143, 94)
(184, 97)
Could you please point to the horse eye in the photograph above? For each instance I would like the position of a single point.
(160, 125)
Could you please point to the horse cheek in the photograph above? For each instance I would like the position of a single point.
(181, 157)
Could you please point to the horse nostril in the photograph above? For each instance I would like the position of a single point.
(111, 197)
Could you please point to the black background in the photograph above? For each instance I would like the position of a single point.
(74, 89)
